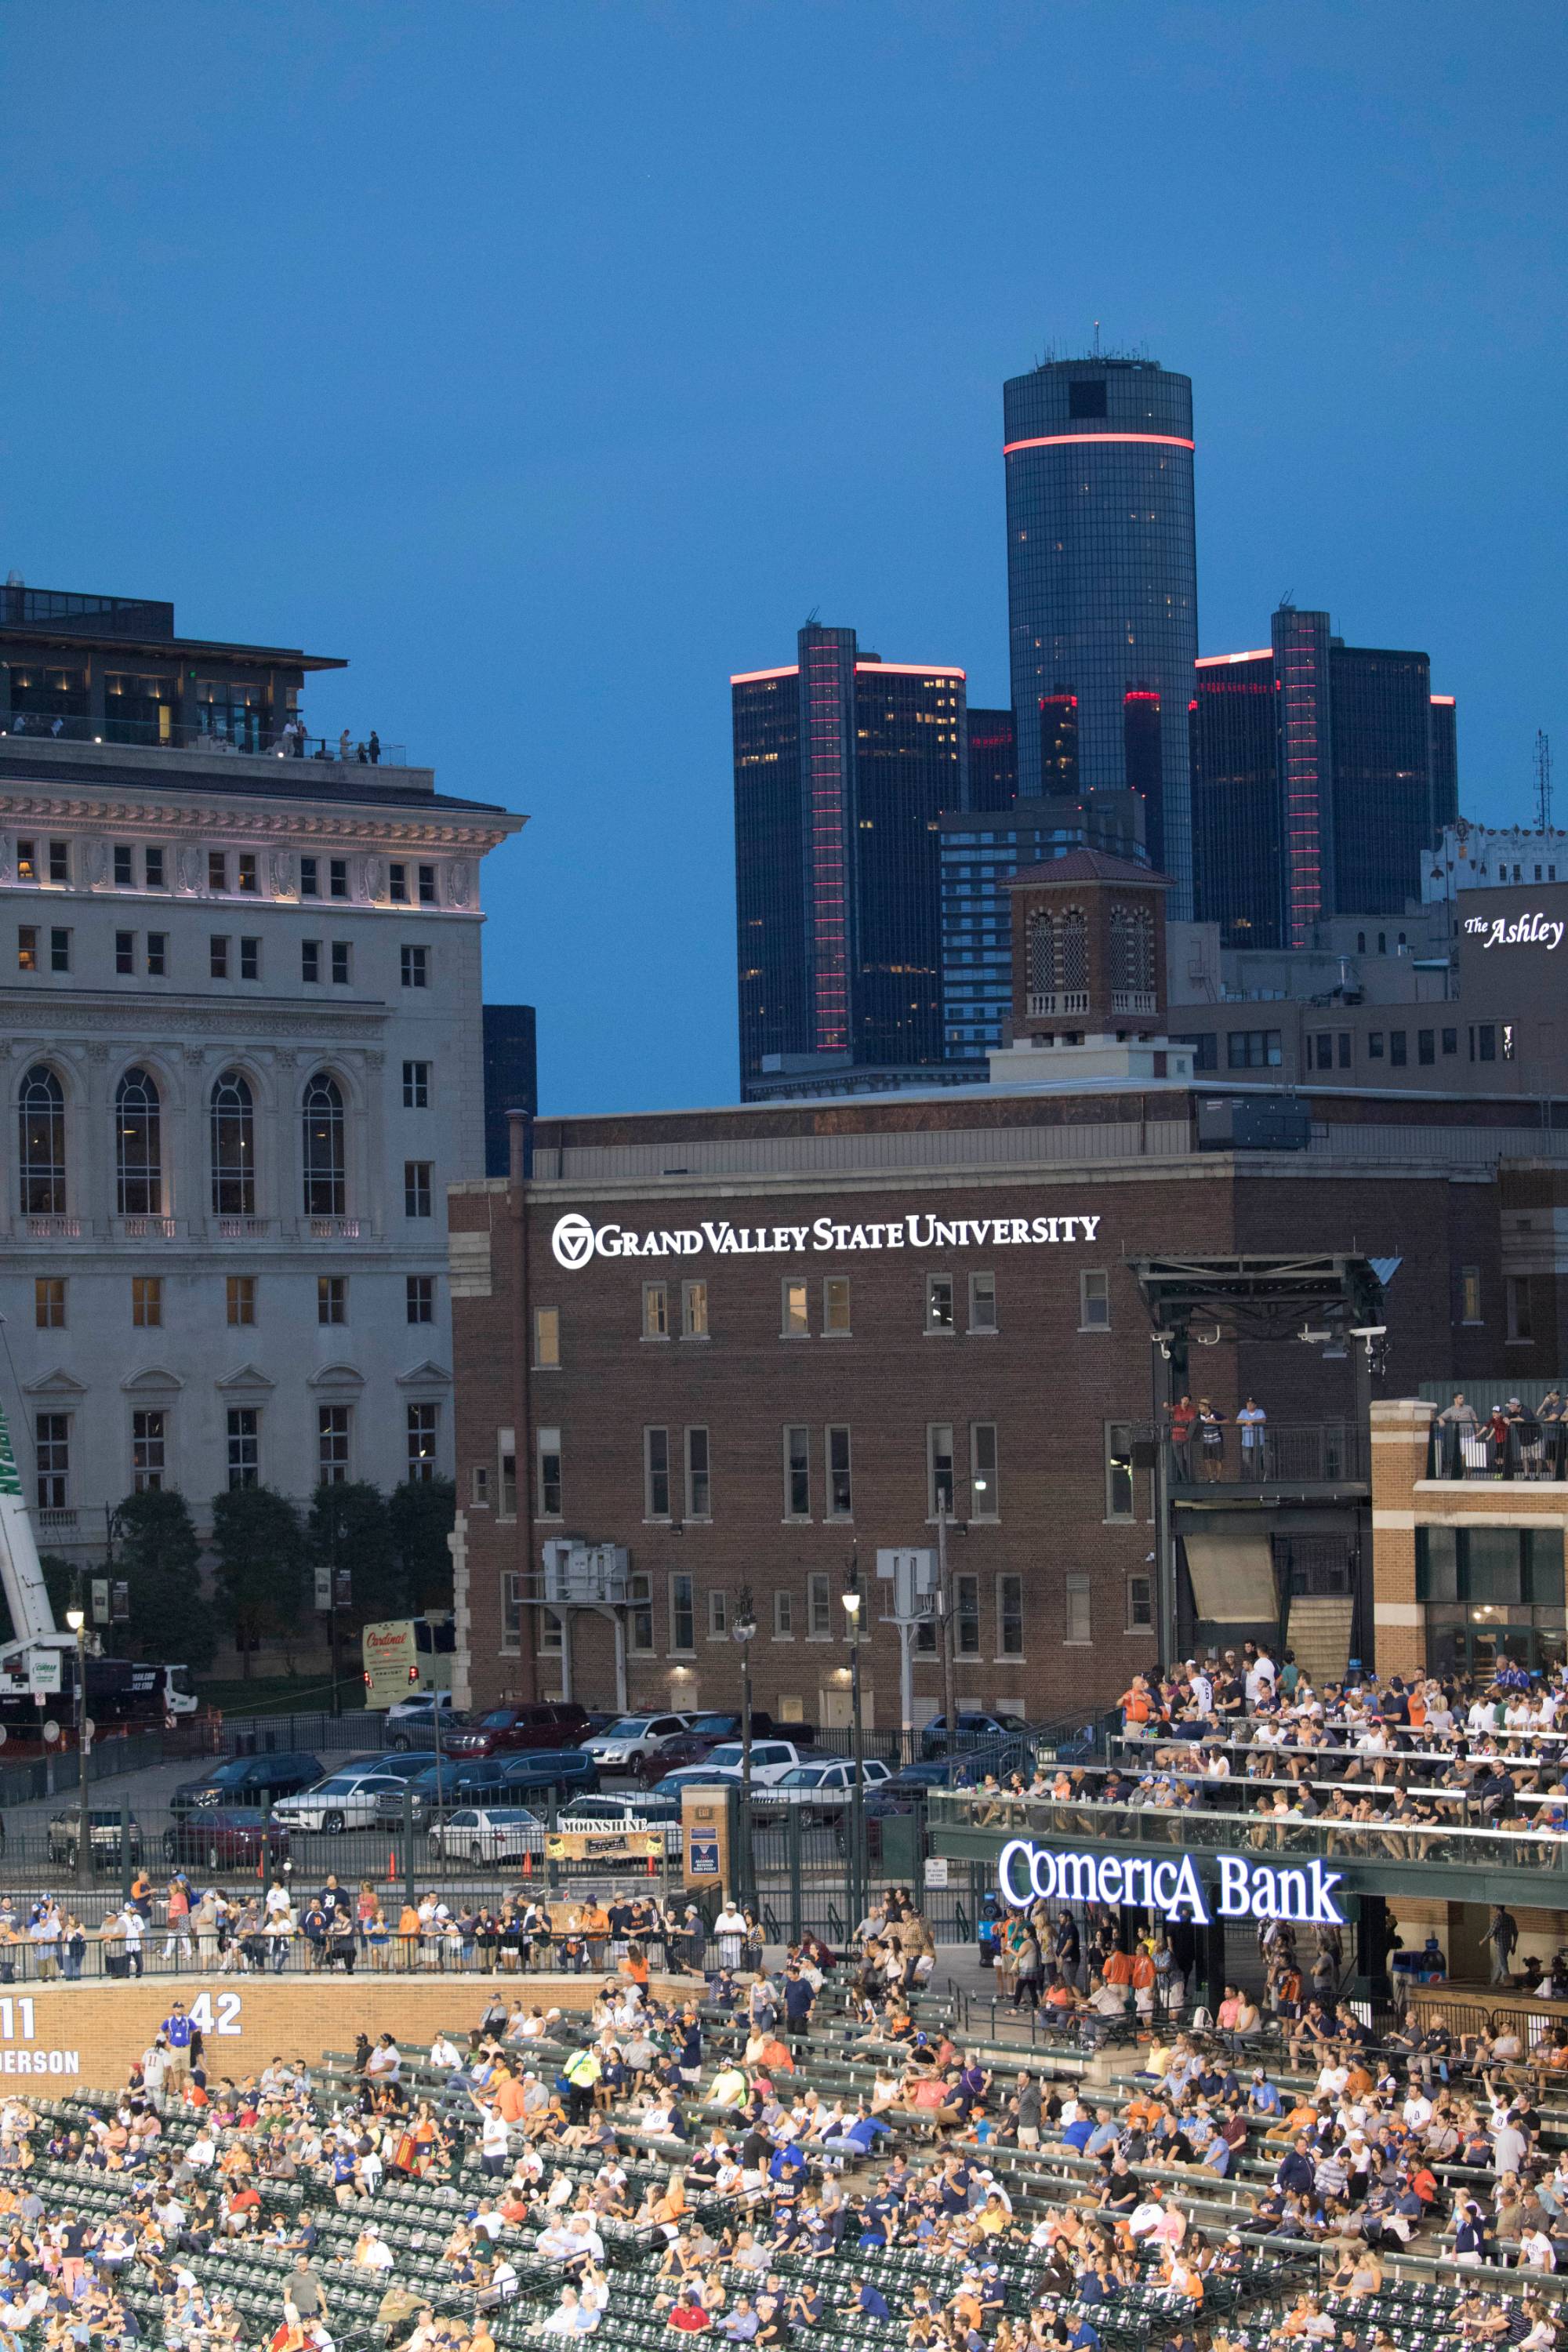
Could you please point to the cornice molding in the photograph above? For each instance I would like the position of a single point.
(23, 1014)
(246, 822)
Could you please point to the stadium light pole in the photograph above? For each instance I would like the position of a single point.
(76, 1620)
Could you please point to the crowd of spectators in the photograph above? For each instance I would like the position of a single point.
(790, 2153)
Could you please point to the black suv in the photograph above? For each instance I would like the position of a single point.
(248, 1781)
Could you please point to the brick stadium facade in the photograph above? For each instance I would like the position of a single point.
(864, 1268)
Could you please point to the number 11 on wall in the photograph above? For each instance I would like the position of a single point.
(8, 2021)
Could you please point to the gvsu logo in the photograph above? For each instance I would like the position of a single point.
(572, 1241)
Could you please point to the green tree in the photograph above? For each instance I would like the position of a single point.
(263, 1578)
(158, 1553)
(59, 1583)
(420, 1514)
(348, 1528)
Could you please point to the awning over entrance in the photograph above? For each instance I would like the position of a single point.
(1232, 1571)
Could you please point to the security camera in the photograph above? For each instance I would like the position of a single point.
(1314, 1338)
(1369, 1330)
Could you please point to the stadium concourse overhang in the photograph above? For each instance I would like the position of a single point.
(1287, 1517)
(1220, 1882)
(1358, 1876)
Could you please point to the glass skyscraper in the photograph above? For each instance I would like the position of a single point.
(1103, 589)
(1321, 774)
(844, 763)
(993, 759)
(982, 849)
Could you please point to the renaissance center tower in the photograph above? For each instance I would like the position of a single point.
(1103, 589)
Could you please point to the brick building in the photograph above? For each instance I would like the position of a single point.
(733, 1347)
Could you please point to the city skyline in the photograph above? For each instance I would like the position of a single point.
(547, 493)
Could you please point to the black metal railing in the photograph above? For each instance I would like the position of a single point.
(1522, 1447)
(1222, 1452)
(253, 736)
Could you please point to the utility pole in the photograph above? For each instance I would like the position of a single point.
(859, 1896)
(743, 1629)
(1542, 781)
(944, 1612)
(76, 1618)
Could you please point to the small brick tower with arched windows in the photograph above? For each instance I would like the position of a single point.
(1089, 965)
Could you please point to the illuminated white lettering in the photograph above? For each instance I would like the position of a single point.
(1188, 1896)
(1234, 1899)
(1076, 1877)
(1111, 1878)
(1020, 1848)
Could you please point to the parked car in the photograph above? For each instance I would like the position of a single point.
(233, 1837)
(930, 1772)
(549, 1723)
(247, 1781)
(567, 1771)
(617, 1814)
(973, 1728)
(764, 1727)
(411, 1722)
(771, 1760)
(632, 1741)
(689, 1749)
(106, 1827)
(487, 1833)
(345, 1799)
(492, 1781)
(819, 1790)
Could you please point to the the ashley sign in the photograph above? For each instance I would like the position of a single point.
(576, 1241)
(1524, 931)
(1246, 1890)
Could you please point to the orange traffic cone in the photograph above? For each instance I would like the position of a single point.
(391, 1865)
(650, 1867)
(528, 1865)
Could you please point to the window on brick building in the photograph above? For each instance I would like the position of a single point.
(797, 1471)
(984, 1472)
(1075, 1626)
(655, 1474)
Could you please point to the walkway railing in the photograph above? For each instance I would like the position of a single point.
(257, 741)
(1198, 1831)
(1528, 1449)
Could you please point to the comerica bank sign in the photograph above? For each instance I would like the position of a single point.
(576, 1241)
(1246, 1890)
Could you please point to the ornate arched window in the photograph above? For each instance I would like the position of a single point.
(1072, 950)
(234, 1146)
(1132, 950)
(1042, 956)
(324, 1186)
(41, 1143)
(139, 1145)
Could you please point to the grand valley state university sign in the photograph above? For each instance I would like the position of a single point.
(1026, 1872)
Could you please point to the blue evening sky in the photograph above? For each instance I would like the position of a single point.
(553, 361)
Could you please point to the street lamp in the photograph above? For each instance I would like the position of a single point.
(858, 1897)
(743, 1629)
(76, 1620)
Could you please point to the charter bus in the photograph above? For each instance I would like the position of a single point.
(406, 1658)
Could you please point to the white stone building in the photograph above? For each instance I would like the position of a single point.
(240, 1060)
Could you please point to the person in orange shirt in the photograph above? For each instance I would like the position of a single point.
(1136, 1704)
(1118, 1969)
(509, 2097)
(635, 1965)
(407, 1935)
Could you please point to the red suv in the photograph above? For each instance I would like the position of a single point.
(547, 1723)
